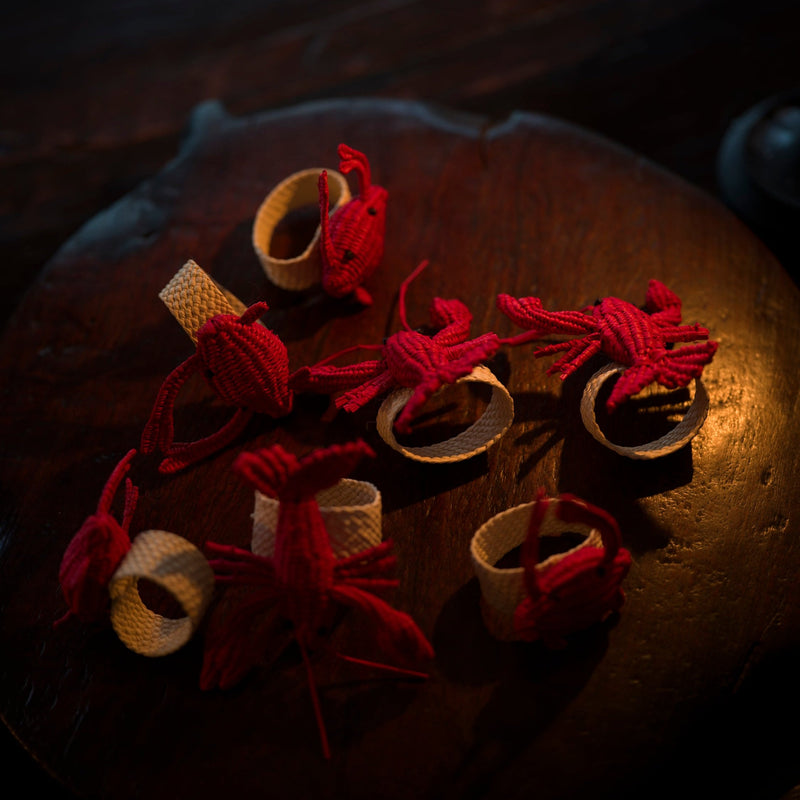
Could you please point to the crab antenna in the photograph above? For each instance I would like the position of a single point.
(404, 288)
(326, 751)
(409, 673)
(159, 430)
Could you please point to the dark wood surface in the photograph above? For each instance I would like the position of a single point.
(699, 669)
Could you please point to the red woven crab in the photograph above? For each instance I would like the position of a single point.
(408, 358)
(640, 340)
(96, 550)
(245, 364)
(351, 243)
(583, 587)
(303, 581)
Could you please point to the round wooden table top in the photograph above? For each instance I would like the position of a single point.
(684, 687)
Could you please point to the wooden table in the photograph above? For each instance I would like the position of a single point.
(690, 685)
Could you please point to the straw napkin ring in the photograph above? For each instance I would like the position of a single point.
(348, 243)
(566, 592)
(292, 194)
(688, 427)
(101, 572)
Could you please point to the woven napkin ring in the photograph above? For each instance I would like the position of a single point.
(291, 195)
(244, 363)
(477, 438)
(102, 571)
(688, 427)
(348, 243)
(566, 592)
(639, 343)
(350, 510)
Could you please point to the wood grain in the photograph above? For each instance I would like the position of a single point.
(531, 206)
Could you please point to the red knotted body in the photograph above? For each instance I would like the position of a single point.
(245, 364)
(352, 239)
(639, 340)
(408, 359)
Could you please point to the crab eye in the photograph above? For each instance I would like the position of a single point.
(209, 374)
(372, 211)
(348, 255)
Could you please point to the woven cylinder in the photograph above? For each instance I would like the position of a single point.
(299, 190)
(178, 567)
(480, 436)
(193, 298)
(350, 509)
(502, 589)
(677, 438)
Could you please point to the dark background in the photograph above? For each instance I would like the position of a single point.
(96, 95)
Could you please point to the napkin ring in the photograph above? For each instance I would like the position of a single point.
(299, 190)
(101, 570)
(350, 509)
(568, 591)
(477, 438)
(671, 441)
(177, 567)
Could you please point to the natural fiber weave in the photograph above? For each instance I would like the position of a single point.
(480, 436)
(677, 438)
(350, 509)
(502, 590)
(297, 191)
(193, 298)
(177, 566)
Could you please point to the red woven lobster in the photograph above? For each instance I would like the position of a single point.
(245, 364)
(96, 550)
(408, 358)
(351, 243)
(640, 340)
(581, 588)
(303, 580)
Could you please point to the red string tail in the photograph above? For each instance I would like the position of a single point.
(182, 455)
(312, 687)
(159, 431)
(410, 673)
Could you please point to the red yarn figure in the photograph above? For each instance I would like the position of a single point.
(245, 364)
(351, 243)
(582, 588)
(304, 580)
(96, 550)
(637, 339)
(408, 358)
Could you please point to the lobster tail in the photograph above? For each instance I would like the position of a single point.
(352, 159)
(267, 470)
(279, 474)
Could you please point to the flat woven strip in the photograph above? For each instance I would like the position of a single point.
(193, 297)
(480, 436)
(677, 438)
(503, 589)
(178, 567)
(350, 509)
(298, 190)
